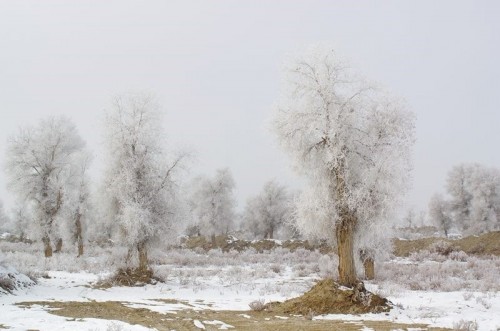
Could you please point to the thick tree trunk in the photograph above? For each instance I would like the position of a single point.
(345, 240)
(143, 257)
(78, 234)
(47, 246)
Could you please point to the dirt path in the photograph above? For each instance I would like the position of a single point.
(209, 319)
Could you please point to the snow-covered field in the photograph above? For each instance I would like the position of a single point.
(230, 281)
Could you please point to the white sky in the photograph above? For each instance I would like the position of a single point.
(215, 67)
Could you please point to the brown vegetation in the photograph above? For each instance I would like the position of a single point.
(228, 243)
(486, 244)
(129, 277)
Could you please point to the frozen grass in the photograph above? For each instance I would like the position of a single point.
(432, 271)
(437, 269)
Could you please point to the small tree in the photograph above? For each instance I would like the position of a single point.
(266, 213)
(351, 141)
(139, 182)
(39, 164)
(212, 203)
(439, 212)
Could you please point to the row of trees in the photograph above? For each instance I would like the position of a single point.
(140, 199)
(349, 138)
(472, 202)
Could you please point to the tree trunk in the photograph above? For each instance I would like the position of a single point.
(59, 244)
(345, 238)
(368, 264)
(78, 234)
(271, 233)
(143, 257)
(47, 246)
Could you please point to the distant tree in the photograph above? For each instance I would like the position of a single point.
(78, 210)
(39, 164)
(458, 187)
(4, 219)
(475, 198)
(213, 204)
(439, 212)
(143, 199)
(352, 141)
(266, 213)
(410, 218)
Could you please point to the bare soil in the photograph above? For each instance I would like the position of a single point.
(486, 244)
(327, 297)
(184, 319)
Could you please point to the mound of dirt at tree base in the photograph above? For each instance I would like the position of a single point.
(129, 277)
(328, 297)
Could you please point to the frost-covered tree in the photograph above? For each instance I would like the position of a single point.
(351, 141)
(4, 220)
(439, 212)
(212, 203)
(266, 213)
(40, 160)
(458, 187)
(475, 198)
(142, 194)
(77, 210)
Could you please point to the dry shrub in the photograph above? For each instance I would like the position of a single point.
(129, 277)
(327, 297)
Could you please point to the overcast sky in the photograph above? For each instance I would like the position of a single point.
(215, 68)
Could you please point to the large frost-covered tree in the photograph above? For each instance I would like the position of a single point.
(266, 213)
(213, 204)
(40, 161)
(351, 141)
(140, 179)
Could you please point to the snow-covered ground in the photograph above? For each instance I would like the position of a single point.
(230, 281)
(434, 308)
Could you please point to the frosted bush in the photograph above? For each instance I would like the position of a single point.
(257, 305)
(459, 256)
(464, 325)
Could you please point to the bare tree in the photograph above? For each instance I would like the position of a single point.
(39, 164)
(140, 180)
(266, 213)
(351, 140)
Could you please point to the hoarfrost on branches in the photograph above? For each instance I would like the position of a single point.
(40, 162)
(141, 177)
(350, 139)
(268, 212)
(213, 204)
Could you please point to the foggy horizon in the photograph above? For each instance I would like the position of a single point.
(215, 68)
